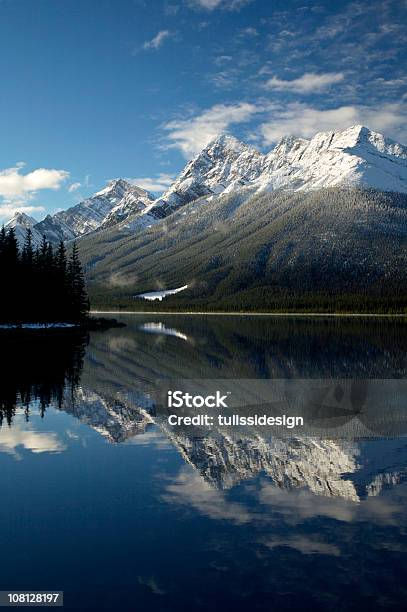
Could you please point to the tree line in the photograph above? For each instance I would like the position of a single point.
(40, 284)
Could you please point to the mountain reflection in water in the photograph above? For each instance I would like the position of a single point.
(254, 505)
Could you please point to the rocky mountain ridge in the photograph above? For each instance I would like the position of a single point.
(354, 157)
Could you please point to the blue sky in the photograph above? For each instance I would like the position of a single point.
(99, 89)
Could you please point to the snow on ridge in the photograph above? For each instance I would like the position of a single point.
(159, 295)
(355, 156)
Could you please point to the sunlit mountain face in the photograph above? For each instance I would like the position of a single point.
(147, 503)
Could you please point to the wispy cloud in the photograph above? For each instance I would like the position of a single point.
(310, 82)
(227, 5)
(249, 32)
(157, 183)
(157, 41)
(74, 187)
(225, 79)
(192, 135)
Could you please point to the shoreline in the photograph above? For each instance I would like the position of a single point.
(250, 314)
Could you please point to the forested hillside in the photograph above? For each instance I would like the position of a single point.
(331, 249)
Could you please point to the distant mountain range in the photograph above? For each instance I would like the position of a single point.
(117, 201)
(328, 213)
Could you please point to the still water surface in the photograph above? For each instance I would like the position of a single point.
(103, 500)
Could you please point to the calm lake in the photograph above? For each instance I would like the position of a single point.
(104, 500)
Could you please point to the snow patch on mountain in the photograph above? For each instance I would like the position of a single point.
(160, 295)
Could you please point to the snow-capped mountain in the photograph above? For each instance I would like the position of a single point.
(356, 157)
(224, 164)
(134, 200)
(118, 199)
(113, 204)
(21, 222)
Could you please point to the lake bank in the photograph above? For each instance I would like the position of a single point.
(250, 314)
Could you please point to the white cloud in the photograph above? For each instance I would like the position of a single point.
(249, 32)
(157, 41)
(310, 82)
(222, 59)
(190, 490)
(14, 185)
(191, 135)
(158, 183)
(74, 187)
(302, 120)
(227, 5)
(207, 4)
(36, 442)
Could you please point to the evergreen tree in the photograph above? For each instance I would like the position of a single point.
(27, 255)
(40, 285)
(61, 280)
(61, 259)
(78, 297)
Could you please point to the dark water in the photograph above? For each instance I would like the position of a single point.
(102, 499)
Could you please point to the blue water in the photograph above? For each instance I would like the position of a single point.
(102, 500)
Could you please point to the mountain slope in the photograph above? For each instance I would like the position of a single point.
(355, 157)
(224, 164)
(252, 252)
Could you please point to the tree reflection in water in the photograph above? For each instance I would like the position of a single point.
(37, 367)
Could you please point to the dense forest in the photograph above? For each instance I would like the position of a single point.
(40, 285)
(332, 250)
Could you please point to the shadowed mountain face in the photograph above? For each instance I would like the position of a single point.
(317, 224)
(313, 250)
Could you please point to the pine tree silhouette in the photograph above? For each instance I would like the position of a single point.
(41, 284)
(78, 297)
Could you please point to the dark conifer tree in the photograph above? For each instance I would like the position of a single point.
(78, 297)
(41, 285)
(61, 280)
(27, 255)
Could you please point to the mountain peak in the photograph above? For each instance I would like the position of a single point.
(115, 188)
(21, 218)
(226, 142)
